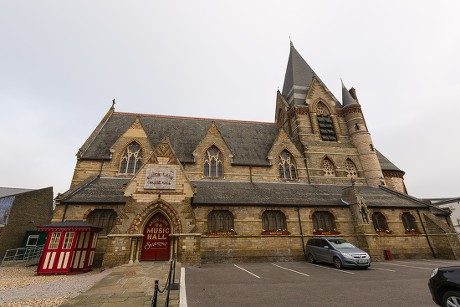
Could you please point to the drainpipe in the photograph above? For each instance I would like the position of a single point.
(301, 231)
(250, 173)
(65, 210)
(426, 234)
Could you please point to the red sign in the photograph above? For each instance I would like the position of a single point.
(155, 245)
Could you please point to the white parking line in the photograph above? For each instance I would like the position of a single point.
(183, 291)
(408, 266)
(374, 268)
(324, 267)
(287, 269)
(246, 271)
(435, 261)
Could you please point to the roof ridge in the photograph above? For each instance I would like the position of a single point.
(197, 118)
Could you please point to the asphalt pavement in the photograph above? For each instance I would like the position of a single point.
(388, 283)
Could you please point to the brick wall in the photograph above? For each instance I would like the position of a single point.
(29, 210)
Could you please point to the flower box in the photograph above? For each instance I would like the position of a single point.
(221, 233)
(276, 233)
(326, 233)
(387, 232)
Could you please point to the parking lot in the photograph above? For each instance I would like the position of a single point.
(388, 283)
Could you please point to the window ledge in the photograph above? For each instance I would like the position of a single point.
(220, 233)
(276, 233)
(326, 233)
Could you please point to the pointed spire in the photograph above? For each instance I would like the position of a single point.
(298, 78)
(347, 99)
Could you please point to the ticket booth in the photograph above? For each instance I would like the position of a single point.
(69, 247)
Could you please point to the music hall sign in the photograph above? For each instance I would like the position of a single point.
(160, 178)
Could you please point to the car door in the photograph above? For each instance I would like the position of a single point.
(322, 251)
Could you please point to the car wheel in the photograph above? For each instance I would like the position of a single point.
(451, 298)
(310, 258)
(337, 263)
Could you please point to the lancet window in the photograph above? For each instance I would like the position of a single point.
(323, 221)
(351, 169)
(328, 167)
(220, 221)
(274, 221)
(409, 222)
(287, 166)
(104, 218)
(131, 160)
(213, 164)
(380, 222)
(325, 123)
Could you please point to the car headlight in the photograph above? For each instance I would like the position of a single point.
(347, 255)
(435, 271)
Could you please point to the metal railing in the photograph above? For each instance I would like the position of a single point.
(23, 253)
(169, 285)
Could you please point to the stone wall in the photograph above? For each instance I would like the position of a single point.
(29, 210)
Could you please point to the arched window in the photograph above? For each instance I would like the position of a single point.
(323, 221)
(326, 127)
(409, 222)
(287, 166)
(220, 221)
(328, 167)
(131, 160)
(351, 169)
(274, 221)
(213, 165)
(380, 222)
(104, 218)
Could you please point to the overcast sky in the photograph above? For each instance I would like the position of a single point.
(62, 63)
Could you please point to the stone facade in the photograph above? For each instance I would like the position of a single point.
(227, 191)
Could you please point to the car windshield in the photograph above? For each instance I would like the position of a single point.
(341, 243)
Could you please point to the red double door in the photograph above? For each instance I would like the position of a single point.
(155, 244)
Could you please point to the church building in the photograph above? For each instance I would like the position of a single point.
(211, 190)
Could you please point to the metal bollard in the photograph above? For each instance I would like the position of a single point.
(155, 295)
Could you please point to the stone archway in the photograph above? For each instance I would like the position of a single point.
(155, 243)
(156, 222)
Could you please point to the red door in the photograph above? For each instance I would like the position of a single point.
(155, 245)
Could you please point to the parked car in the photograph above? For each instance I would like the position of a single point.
(337, 251)
(444, 286)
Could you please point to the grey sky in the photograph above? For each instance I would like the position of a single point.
(62, 62)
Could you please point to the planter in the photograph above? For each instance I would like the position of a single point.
(381, 233)
(276, 233)
(220, 233)
(326, 233)
(413, 233)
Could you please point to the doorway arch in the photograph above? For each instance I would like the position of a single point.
(155, 243)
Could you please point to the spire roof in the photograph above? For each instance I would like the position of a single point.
(298, 78)
(347, 99)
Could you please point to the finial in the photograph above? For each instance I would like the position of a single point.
(290, 41)
(113, 103)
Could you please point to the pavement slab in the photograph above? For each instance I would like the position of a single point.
(129, 285)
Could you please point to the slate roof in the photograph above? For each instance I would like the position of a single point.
(386, 164)
(82, 225)
(5, 192)
(347, 99)
(97, 190)
(249, 142)
(221, 192)
(215, 192)
(299, 73)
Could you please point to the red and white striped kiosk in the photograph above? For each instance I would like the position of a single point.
(69, 247)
